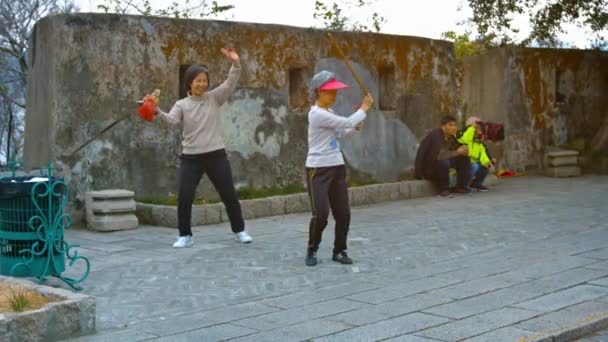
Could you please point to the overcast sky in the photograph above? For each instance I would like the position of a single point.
(424, 18)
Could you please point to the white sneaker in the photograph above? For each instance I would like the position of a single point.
(243, 237)
(183, 241)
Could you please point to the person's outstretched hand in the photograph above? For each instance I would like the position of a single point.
(231, 55)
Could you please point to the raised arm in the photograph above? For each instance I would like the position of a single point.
(222, 93)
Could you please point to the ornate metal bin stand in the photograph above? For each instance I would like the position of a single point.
(32, 228)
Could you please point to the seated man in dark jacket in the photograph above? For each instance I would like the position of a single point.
(438, 152)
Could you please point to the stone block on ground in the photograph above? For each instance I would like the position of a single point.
(213, 213)
(388, 192)
(404, 190)
(297, 203)
(72, 315)
(563, 171)
(277, 205)
(491, 180)
(421, 188)
(255, 208)
(562, 164)
(111, 210)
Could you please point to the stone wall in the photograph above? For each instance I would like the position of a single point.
(89, 69)
(546, 98)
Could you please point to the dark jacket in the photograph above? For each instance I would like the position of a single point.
(432, 148)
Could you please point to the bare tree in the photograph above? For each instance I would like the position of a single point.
(17, 19)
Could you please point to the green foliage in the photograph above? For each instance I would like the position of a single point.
(463, 46)
(333, 16)
(182, 9)
(251, 193)
(493, 19)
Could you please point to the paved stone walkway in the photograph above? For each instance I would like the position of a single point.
(528, 257)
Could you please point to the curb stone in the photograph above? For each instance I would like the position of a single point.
(579, 329)
(166, 216)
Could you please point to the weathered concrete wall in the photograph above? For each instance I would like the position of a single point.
(545, 97)
(88, 69)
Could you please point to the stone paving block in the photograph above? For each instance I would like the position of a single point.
(364, 195)
(600, 282)
(470, 274)
(388, 192)
(298, 203)
(198, 215)
(386, 329)
(215, 333)
(549, 267)
(409, 338)
(602, 265)
(376, 313)
(110, 223)
(508, 334)
(402, 290)
(277, 205)
(476, 287)
(255, 208)
(213, 213)
(297, 332)
(204, 319)
(563, 171)
(562, 299)
(132, 335)
(144, 213)
(515, 294)
(404, 190)
(569, 316)
(300, 314)
(165, 216)
(475, 325)
(319, 295)
(563, 161)
(421, 188)
(491, 180)
(600, 254)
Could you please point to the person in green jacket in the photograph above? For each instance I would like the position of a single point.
(478, 153)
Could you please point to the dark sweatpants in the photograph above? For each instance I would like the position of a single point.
(441, 175)
(327, 189)
(217, 167)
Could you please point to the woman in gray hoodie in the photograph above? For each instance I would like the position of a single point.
(203, 148)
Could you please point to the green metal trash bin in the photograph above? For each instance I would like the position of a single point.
(29, 246)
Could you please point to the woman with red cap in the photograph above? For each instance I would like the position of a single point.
(326, 173)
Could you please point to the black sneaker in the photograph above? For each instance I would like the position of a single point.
(446, 193)
(311, 258)
(463, 191)
(342, 258)
(480, 188)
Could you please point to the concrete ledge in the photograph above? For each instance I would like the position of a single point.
(563, 171)
(291, 204)
(73, 316)
(573, 332)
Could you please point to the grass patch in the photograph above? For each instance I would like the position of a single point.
(15, 299)
(18, 300)
(251, 193)
(247, 193)
(244, 193)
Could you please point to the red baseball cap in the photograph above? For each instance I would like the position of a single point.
(333, 84)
